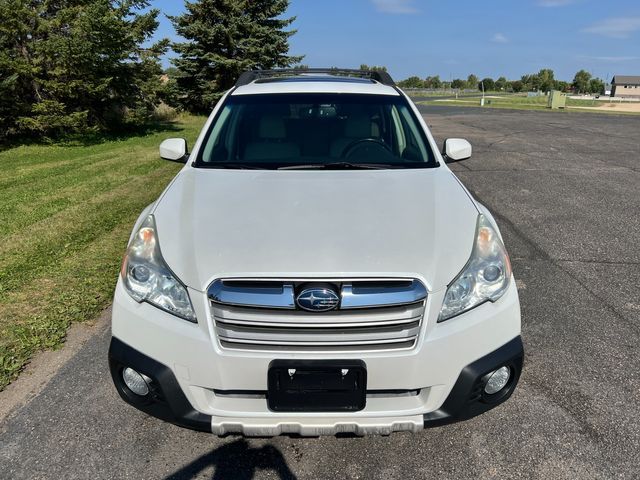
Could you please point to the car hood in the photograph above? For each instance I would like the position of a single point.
(216, 223)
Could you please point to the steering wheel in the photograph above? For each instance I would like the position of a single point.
(352, 146)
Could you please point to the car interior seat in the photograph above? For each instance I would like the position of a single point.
(272, 143)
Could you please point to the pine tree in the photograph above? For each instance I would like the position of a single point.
(225, 38)
(74, 65)
(17, 71)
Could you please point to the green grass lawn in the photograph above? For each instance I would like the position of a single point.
(520, 102)
(66, 212)
(430, 93)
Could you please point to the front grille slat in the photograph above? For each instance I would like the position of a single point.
(318, 336)
(334, 318)
(315, 343)
(311, 326)
(405, 345)
(260, 328)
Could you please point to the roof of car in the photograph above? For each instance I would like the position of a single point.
(315, 81)
(315, 86)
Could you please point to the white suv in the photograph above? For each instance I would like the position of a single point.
(315, 268)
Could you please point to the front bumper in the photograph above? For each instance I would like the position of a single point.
(198, 384)
(167, 401)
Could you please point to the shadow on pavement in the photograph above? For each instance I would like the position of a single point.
(237, 460)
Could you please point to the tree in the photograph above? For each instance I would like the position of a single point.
(225, 38)
(489, 84)
(517, 86)
(458, 83)
(411, 82)
(596, 85)
(16, 67)
(73, 65)
(581, 81)
(472, 81)
(502, 83)
(169, 91)
(546, 80)
(373, 68)
(530, 83)
(433, 82)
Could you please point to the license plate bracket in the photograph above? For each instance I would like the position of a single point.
(317, 385)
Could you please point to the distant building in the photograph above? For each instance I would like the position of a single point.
(625, 86)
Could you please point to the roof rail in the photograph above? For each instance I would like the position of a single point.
(249, 76)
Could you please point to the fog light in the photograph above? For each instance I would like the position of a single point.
(135, 381)
(498, 380)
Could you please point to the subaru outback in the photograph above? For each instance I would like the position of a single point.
(315, 268)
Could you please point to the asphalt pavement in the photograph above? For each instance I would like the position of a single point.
(565, 190)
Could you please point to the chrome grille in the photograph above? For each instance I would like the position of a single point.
(373, 315)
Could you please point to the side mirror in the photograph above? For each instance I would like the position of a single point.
(174, 149)
(456, 149)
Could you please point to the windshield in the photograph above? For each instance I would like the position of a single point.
(315, 131)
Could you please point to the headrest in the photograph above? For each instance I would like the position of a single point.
(272, 127)
(358, 126)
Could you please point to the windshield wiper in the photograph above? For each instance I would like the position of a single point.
(339, 166)
(236, 166)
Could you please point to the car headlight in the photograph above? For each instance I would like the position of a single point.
(147, 278)
(485, 277)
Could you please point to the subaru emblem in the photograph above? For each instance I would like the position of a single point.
(317, 299)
